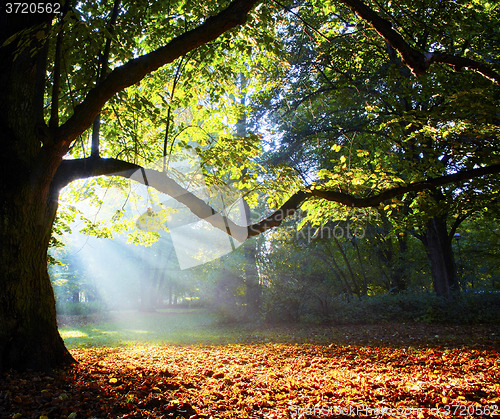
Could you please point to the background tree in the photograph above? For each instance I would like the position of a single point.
(352, 118)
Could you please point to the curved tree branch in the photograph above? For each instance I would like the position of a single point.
(71, 170)
(432, 183)
(411, 57)
(135, 70)
(417, 61)
(461, 62)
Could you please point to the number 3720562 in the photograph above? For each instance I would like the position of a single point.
(32, 8)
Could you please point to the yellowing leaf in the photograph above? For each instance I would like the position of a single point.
(336, 147)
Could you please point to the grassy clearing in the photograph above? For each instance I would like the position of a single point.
(170, 327)
(198, 327)
(131, 327)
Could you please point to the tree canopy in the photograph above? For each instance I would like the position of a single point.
(310, 105)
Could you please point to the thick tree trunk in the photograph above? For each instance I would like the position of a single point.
(440, 253)
(28, 329)
(29, 337)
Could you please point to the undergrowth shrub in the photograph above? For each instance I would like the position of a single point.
(70, 308)
(467, 308)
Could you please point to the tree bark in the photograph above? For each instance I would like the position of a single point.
(439, 250)
(28, 330)
(29, 337)
(417, 61)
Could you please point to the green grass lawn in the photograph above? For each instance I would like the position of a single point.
(167, 326)
(199, 327)
(117, 328)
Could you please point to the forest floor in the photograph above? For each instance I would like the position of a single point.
(359, 371)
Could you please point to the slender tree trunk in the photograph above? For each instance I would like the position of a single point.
(75, 296)
(364, 286)
(440, 253)
(251, 278)
(170, 293)
(398, 271)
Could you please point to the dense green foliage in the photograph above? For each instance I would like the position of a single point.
(308, 96)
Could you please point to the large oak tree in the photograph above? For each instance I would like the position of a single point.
(38, 128)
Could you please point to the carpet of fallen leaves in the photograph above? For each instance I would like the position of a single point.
(270, 380)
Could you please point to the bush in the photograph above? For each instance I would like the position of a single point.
(469, 308)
